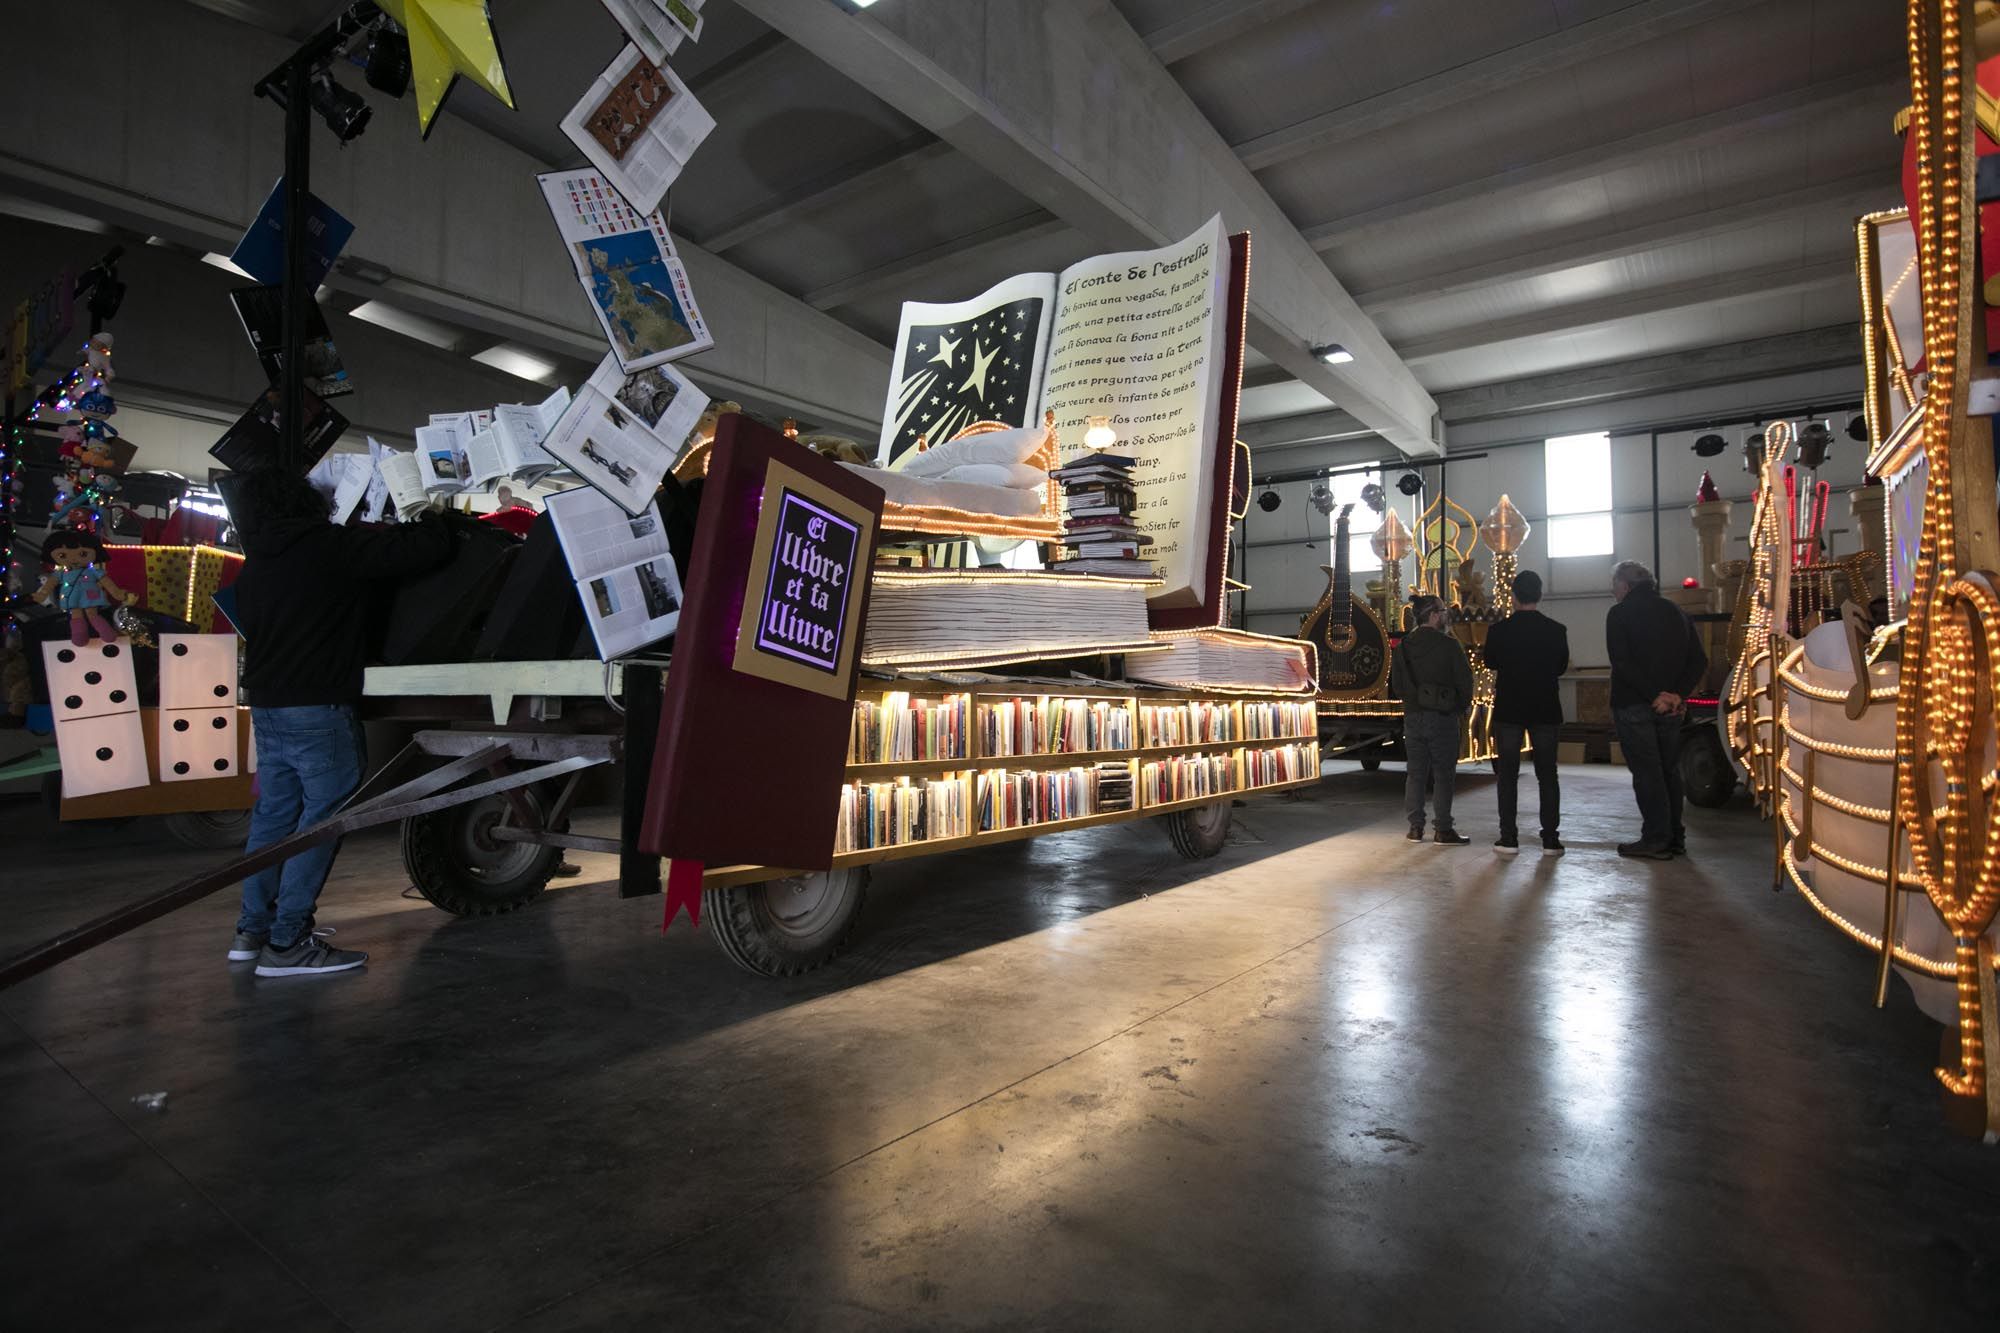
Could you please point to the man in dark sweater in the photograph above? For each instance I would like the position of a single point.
(1433, 678)
(302, 604)
(1656, 658)
(1527, 653)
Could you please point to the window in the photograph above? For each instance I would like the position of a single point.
(1578, 472)
(1361, 524)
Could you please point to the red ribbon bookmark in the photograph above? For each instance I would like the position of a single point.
(683, 890)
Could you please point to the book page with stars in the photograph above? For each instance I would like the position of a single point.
(1138, 337)
(967, 361)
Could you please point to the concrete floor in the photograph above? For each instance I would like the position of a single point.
(1325, 1080)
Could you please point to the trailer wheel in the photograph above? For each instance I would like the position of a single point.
(1198, 833)
(455, 862)
(783, 927)
(1371, 763)
(209, 830)
(1706, 773)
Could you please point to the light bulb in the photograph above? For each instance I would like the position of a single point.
(1100, 436)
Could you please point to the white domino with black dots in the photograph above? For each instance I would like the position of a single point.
(197, 707)
(95, 698)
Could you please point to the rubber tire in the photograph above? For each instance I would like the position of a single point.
(746, 921)
(1199, 832)
(434, 847)
(1707, 776)
(52, 802)
(1371, 763)
(209, 830)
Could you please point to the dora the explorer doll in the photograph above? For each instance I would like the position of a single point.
(79, 584)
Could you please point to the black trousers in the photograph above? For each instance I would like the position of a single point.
(1652, 745)
(1507, 737)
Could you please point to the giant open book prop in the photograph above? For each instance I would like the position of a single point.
(1151, 338)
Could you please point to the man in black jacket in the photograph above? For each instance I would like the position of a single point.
(302, 602)
(1527, 652)
(1656, 659)
(1434, 680)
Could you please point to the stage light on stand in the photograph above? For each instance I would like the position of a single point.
(344, 110)
(1099, 436)
(1333, 354)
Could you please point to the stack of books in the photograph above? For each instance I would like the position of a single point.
(1098, 501)
(1114, 787)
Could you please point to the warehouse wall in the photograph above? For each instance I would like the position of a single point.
(1286, 548)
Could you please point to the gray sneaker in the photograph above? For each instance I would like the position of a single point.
(245, 948)
(309, 957)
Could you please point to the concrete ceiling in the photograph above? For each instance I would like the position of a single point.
(1511, 190)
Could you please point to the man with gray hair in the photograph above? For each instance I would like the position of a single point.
(1656, 659)
(1433, 678)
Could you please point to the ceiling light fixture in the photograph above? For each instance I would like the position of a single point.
(1333, 354)
(226, 264)
(514, 361)
(1709, 445)
(383, 315)
(1269, 500)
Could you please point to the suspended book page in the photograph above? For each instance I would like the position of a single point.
(626, 264)
(639, 125)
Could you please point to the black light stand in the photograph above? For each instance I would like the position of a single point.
(290, 85)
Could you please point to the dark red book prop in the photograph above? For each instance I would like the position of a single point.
(1229, 478)
(760, 695)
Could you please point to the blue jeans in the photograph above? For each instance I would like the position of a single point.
(309, 760)
(1652, 745)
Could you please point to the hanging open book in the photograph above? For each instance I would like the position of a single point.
(1152, 339)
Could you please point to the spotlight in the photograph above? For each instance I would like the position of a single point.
(1269, 500)
(344, 110)
(1813, 443)
(1333, 354)
(1857, 429)
(387, 60)
(1708, 446)
(1374, 496)
(1322, 498)
(1410, 484)
(1753, 453)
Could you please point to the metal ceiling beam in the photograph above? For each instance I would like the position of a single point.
(1078, 114)
(726, 75)
(1306, 428)
(1775, 115)
(1590, 40)
(1722, 289)
(1697, 368)
(850, 180)
(1216, 24)
(966, 252)
(1590, 244)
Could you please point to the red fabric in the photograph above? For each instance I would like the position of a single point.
(516, 519)
(683, 890)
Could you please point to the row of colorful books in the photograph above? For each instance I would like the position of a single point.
(902, 728)
(1279, 721)
(1201, 722)
(1015, 800)
(888, 814)
(1042, 725)
(1192, 777)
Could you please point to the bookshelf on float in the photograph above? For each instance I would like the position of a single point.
(934, 766)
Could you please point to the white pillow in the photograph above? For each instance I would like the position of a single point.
(1014, 476)
(998, 446)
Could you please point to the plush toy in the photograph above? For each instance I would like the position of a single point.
(98, 353)
(79, 584)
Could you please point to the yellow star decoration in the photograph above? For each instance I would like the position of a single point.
(448, 38)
